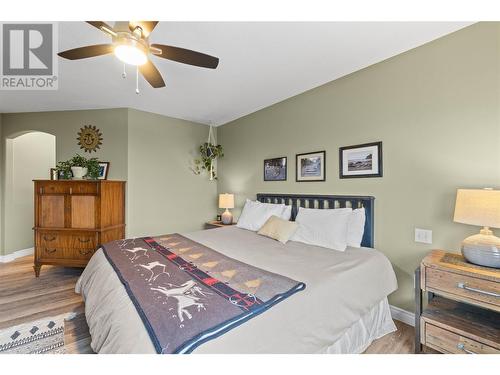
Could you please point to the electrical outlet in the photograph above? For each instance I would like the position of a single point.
(423, 236)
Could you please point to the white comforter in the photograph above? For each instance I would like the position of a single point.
(341, 287)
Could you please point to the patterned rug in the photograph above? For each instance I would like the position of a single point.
(43, 336)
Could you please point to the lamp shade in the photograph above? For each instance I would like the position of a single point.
(226, 200)
(478, 207)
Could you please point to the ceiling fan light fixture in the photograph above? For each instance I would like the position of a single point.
(130, 44)
(131, 54)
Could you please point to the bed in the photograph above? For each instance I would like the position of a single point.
(342, 310)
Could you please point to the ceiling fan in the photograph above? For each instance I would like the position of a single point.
(130, 43)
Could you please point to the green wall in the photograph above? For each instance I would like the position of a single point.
(151, 152)
(165, 194)
(66, 124)
(436, 110)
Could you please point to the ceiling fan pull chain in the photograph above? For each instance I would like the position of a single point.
(124, 74)
(137, 80)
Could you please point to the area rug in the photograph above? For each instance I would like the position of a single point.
(44, 336)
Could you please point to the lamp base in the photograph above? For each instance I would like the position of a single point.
(482, 249)
(227, 217)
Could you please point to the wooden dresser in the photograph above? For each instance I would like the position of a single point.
(74, 217)
(462, 313)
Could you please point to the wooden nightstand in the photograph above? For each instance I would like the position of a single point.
(462, 314)
(216, 224)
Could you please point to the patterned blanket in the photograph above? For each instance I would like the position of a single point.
(187, 293)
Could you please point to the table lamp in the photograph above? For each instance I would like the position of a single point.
(481, 208)
(226, 201)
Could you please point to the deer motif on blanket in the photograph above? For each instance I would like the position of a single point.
(156, 269)
(137, 252)
(185, 296)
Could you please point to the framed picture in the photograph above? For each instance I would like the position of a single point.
(53, 174)
(103, 170)
(310, 166)
(275, 169)
(361, 160)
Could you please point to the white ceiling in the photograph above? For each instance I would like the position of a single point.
(260, 64)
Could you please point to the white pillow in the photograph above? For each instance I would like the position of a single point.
(325, 228)
(255, 214)
(356, 227)
(287, 213)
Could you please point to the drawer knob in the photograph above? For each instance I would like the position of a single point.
(50, 251)
(461, 346)
(83, 240)
(465, 287)
(48, 239)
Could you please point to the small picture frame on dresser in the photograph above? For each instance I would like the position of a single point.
(54, 174)
(103, 170)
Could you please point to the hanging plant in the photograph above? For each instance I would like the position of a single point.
(210, 151)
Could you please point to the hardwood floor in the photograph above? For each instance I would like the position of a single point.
(24, 298)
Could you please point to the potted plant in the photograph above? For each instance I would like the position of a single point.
(79, 167)
(93, 168)
(209, 154)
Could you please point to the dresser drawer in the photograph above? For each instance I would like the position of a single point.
(482, 292)
(53, 252)
(450, 342)
(83, 254)
(67, 240)
(88, 188)
(49, 187)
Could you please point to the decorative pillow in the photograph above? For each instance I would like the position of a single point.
(356, 227)
(325, 228)
(278, 229)
(255, 214)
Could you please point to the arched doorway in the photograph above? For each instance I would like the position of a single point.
(28, 156)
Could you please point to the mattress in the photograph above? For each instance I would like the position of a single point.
(342, 289)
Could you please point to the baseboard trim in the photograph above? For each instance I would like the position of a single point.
(16, 254)
(403, 315)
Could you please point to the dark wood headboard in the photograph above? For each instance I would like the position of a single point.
(328, 201)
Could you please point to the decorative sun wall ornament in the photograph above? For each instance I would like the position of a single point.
(89, 138)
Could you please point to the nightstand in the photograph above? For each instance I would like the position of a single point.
(216, 224)
(462, 313)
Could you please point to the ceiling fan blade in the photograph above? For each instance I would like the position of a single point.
(146, 26)
(87, 51)
(152, 75)
(99, 25)
(186, 56)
